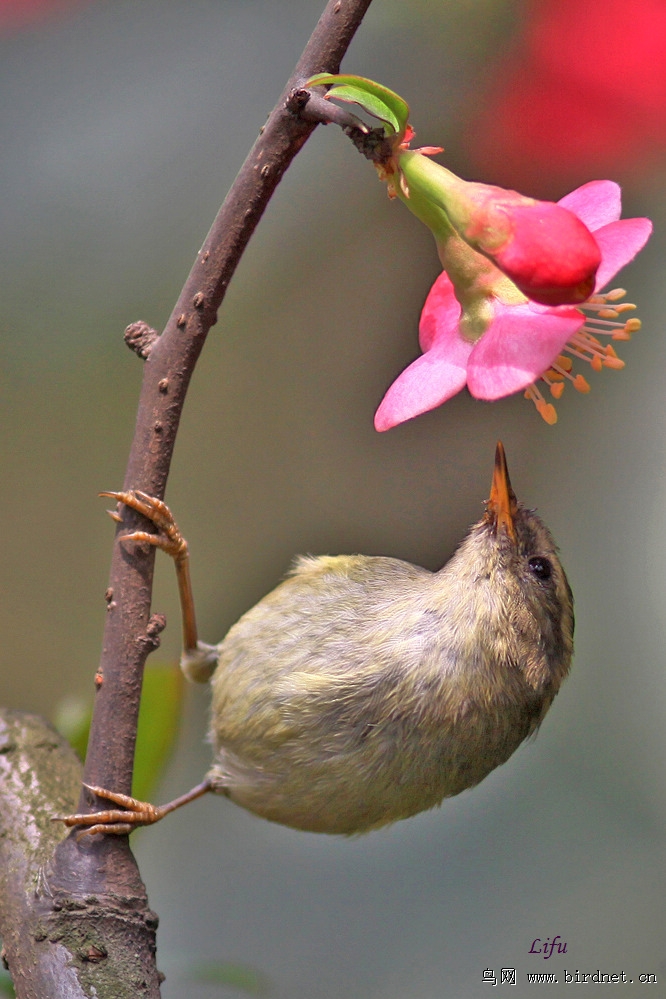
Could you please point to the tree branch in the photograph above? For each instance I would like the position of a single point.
(39, 775)
(168, 369)
(62, 942)
(93, 883)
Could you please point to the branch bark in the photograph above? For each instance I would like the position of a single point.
(104, 943)
(39, 774)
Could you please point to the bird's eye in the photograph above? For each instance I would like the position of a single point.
(540, 567)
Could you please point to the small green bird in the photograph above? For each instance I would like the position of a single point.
(364, 689)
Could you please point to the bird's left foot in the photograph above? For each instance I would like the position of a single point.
(132, 813)
(116, 821)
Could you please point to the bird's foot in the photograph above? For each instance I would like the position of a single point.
(132, 813)
(199, 664)
(171, 541)
(168, 538)
(114, 821)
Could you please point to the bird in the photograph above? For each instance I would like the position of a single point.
(363, 689)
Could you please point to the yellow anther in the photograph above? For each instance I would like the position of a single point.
(580, 384)
(613, 362)
(599, 318)
(625, 307)
(547, 411)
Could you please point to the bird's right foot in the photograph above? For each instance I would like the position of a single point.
(168, 536)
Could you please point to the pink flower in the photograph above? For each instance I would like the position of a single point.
(531, 254)
(15, 14)
(522, 341)
(606, 102)
(548, 253)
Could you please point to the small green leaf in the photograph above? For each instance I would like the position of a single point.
(369, 103)
(159, 716)
(378, 101)
(6, 985)
(239, 976)
(72, 719)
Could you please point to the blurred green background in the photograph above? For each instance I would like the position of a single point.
(122, 127)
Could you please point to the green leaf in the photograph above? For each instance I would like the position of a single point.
(378, 101)
(159, 717)
(6, 986)
(72, 719)
(239, 976)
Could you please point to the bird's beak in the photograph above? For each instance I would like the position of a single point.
(502, 505)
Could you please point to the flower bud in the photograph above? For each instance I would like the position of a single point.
(546, 250)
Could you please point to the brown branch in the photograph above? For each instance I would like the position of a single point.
(167, 373)
(95, 881)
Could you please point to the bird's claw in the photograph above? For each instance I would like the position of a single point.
(171, 541)
(168, 538)
(113, 821)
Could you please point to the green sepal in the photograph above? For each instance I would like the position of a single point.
(378, 101)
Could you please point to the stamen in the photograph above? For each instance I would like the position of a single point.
(631, 326)
(544, 409)
(554, 381)
(602, 318)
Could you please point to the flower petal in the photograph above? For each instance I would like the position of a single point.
(440, 314)
(428, 382)
(619, 243)
(521, 343)
(551, 255)
(595, 204)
